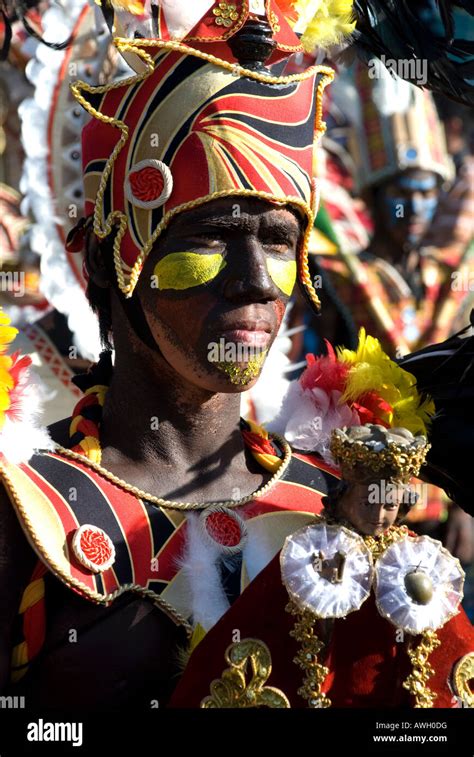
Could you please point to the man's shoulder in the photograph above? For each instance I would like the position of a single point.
(92, 531)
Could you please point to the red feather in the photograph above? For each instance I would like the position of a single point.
(288, 9)
(372, 408)
(325, 372)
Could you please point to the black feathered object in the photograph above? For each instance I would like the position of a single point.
(445, 371)
(17, 10)
(440, 33)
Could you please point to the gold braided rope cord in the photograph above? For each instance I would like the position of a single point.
(103, 227)
(123, 44)
(170, 504)
(416, 683)
(307, 657)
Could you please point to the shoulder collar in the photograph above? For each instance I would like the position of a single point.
(54, 496)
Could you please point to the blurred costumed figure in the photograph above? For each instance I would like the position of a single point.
(41, 289)
(405, 288)
(401, 289)
(20, 294)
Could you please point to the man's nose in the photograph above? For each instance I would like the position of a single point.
(417, 202)
(247, 278)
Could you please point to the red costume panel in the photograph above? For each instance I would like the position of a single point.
(367, 665)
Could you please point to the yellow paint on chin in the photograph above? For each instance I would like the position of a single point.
(283, 273)
(184, 270)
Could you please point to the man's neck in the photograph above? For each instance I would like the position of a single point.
(171, 438)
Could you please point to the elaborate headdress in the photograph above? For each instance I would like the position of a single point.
(364, 453)
(195, 124)
(189, 130)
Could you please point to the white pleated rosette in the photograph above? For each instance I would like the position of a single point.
(426, 555)
(308, 588)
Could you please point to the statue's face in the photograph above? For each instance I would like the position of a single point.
(408, 204)
(215, 288)
(371, 507)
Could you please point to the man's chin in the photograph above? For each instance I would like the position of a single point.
(242, 375)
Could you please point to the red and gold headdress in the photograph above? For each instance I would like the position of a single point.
(194, 124)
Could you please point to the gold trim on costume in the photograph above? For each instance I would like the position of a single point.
(234, 691)
(185, 505)
(50, 549)
(307, 658)
(463, 673)
(416, 683)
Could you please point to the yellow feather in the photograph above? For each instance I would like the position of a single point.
(7, 335)
(137, 7)
(373, 370)
(323, 22)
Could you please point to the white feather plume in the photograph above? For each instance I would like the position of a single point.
(308, 416)
(58, 282)
(208, 601)
(21, 437)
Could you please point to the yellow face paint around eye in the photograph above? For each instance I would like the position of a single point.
(283, 273)
(183, 270)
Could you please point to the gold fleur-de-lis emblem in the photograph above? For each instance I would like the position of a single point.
(243, 683)
(226, 14)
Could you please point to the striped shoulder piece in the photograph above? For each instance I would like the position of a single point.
(131, 543)
(56, 497)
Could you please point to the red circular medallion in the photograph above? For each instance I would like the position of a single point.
(93, 548)
(147, 183)
(224, 527)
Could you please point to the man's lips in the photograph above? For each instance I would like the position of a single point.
(255, 338)
(254, 333)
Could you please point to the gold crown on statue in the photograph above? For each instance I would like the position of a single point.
(364, 453)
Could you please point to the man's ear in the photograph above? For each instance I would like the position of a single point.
(95, 261)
